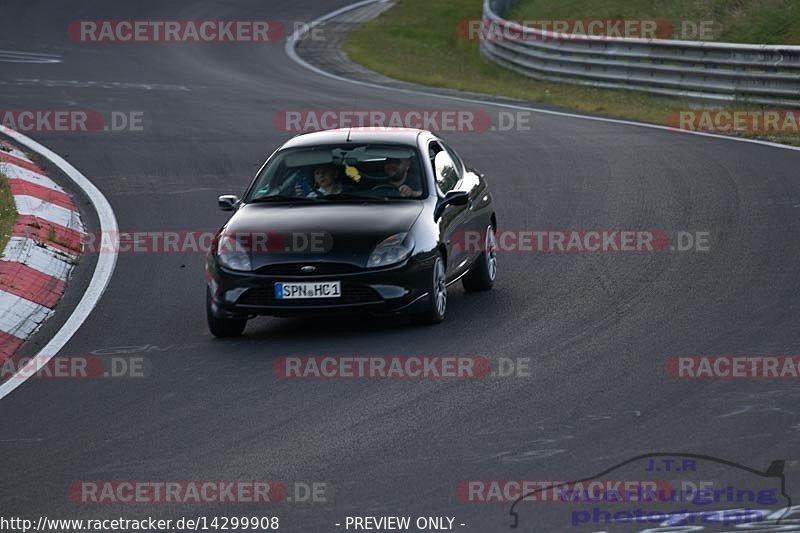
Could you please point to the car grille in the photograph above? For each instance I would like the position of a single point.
(265, 297)
(293, 269)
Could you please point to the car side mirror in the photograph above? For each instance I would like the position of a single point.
(451, 198)
(228, 202)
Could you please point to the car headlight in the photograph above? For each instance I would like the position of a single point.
(232, 253)
(393, 250)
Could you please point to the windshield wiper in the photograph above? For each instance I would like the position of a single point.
(280, 198)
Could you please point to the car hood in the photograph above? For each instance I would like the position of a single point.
(341, 232)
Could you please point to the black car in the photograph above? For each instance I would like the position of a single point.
(379, 221)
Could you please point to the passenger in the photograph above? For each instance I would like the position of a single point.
(327, 180)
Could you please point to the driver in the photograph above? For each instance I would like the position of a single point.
(397, 172)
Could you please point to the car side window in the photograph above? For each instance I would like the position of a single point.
(468, 181)
(459, 164)
(445, 169)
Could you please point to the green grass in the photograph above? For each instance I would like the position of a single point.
(736, 21)
(416, 41)
(8, 212)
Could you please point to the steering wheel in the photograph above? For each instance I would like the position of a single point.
(384, 186)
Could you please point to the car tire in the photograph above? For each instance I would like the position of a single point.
(223, 327)
(483, 272)
(437, 299)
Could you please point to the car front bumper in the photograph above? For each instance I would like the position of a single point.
(401, 288)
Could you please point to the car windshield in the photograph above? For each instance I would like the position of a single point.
(341, 173)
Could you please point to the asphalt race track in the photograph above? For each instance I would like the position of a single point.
(597, 328)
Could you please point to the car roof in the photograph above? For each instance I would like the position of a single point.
(405, 136)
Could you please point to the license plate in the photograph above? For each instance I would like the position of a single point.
(317, 289)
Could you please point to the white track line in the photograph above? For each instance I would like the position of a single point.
(102, 272)
(291, 44)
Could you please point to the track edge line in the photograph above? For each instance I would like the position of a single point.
(104, 269)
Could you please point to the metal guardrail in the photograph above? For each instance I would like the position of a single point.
(760, 74)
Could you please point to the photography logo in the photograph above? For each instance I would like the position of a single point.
(688, 492)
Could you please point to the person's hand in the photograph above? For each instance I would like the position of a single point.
(298, 190)
(406, 191)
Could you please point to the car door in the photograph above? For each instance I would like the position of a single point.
(477, 217)
(455, 218)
